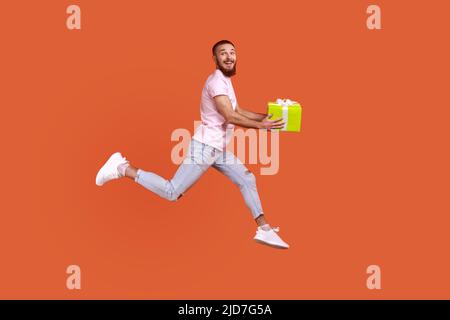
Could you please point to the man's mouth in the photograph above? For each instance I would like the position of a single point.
(229, 63)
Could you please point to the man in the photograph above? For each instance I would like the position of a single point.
(219, 113)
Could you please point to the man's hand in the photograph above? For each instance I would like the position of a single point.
(272, 124)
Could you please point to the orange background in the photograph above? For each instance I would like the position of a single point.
(365, 182)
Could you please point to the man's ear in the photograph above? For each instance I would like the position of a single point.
(214, 59)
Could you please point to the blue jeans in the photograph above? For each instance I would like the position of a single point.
(199, 158)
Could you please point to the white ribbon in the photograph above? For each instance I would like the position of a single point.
(285, 103)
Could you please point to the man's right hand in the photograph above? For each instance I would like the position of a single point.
(268, 124)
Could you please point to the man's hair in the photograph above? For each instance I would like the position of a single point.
(221, 42)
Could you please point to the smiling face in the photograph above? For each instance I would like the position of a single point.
(225, 59)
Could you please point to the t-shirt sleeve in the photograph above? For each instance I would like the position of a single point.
(217, 87)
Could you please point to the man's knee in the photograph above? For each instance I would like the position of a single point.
(174, 197)
(172, 194)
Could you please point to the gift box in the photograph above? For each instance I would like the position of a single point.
(290, 111)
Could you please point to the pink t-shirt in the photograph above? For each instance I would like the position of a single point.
(214, 129)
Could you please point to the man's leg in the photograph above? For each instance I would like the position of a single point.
(185, 176)
(234, 169)
(261, 220)
(131, 172)
(194, 165)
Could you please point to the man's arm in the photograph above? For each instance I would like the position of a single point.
(225, 108)
(249, 114)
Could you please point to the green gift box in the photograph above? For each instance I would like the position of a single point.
(290, 111)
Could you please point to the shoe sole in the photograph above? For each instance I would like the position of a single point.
(270, 244)
(105, 166)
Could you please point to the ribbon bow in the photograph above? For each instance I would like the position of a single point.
(285, 102)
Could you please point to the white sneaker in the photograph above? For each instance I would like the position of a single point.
(109, 170)
(270, 238)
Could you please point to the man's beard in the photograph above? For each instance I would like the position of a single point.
(228, 72)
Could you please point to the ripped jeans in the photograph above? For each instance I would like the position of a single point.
(199, 158)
